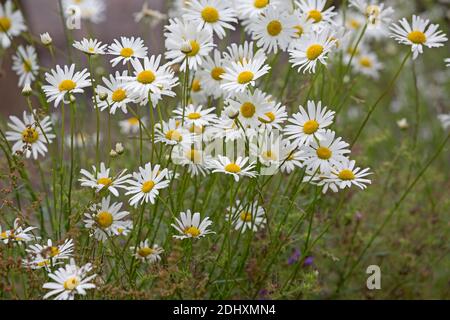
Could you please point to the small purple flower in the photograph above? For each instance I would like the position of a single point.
(308, 261)
(294, 257)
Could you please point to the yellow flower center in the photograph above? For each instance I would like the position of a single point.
(119, 95)
(3, 235)
(27, 65)
(316, 15)
(144, 252)
(323, 153)
(232, 168)
(210, 14)
(196, 129)
(71, 283)
(105, 181)
(314, 51)
(299, 30)
(245, 77)
(346, 174)
(5, 23)
(174, 135)
(355, 24)
(194, 115)
(372, 10)
(194, 156)
(147, 186)
(310, 126)
(417, 37)
(246, 216)
(126, 52)
(146, 77)
(30, 135)
(274, 28)
(196, 86)
(43, 263)
(248, 109)
(193, 231)
(269, 115)
(260, 3)
(104, 219)
(365, 62)
(195, 48)
(269, 155)
(217, 72)
(133, 121)
(67, 85)
(54, 251)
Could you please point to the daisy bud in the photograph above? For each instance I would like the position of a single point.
(72, 98)
(186, 47)
(403, 124)
(231, 112)
(119, 148)
(46, 39)
(26, 91)
(103, 96)
(113, 154)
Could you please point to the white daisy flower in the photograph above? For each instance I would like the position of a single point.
(251, 107)
(273, 30)
(195, 115)
(150, 80)
(172, 133)
(48, 255)
(310, 49)
(251, 9)
(64, 81)
(91, 10)
(146, 184)
(127, 49)
(190, 226)
(377, 16)
(69, 281)
(18, 234)
(147, 253)
(25, 65)
(12, 23)
(131, 125)
(447, 62)
(368, 64)
(211, 74)
(211, 15)
(182, 33)
(248, 216)
(344, 174)
(105, 220)
(117, 96)
(275, 116)
(194, 158)
(417, 35)
(242, 52)
(30, 136)
(445, 120)
(198, 93)
(291, 157)
(90, 46)
(309, 125)
(303, 25)
(237, 169)
(239, 76)
(229, 129)
(103, 180)
(316, 12)
(323, 154)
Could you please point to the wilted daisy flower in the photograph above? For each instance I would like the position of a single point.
(190, 226)
(185, 44)
(48, 255)
(102, 180)
(237, 169)
(117, 97)
(306, 125)
(172, 133)
(149, 16)
(248, 216)
(46, 39)
(30, 136)
(324, 154)
(106, 220)
(211, 15)
(251, 107)
(90, 46)
(150, 80)
(273, 29)
(239, 76)
(69, 281)
(11, 23)
(146, 184)
(291, 157)
(445, 120)
(368, 64)
(126, 49)
(18, 234)
(147, 253)
(195, 158)
(378, 16)
(92, 10)
(310, 49)
(195, 115)
(131, 125)
(417, 35)
(64, 81)
(316, 12)
(250, 9)
(242, 52)
(344, 174)
(25, 65)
